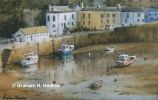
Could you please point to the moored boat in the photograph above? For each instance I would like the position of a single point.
(29, 59)
(125, 60)
(66, 50)
(110, 48)
(96, 84)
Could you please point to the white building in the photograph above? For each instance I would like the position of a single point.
(132, 16)
(60, 19)
(32, 34)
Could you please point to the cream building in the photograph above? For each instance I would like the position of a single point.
(99, 18)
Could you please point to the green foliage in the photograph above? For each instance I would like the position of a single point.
(11, 12)
(113, 2)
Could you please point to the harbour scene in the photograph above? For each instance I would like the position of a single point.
(77, 73)
(79, 50)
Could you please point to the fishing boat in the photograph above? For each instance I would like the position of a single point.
(110, 48)
(29, 59)
(66, 50)
(125, 60)
(96, 84)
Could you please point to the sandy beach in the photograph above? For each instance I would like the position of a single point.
(137, 82)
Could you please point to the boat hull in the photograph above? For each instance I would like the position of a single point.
(96, 84)
(32, 60)
(125, 63)
(24, 64)
(66, 55)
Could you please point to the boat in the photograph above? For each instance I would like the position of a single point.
(66, 50)
(125, 60)
(110, 48)
(96, 84)
(29, 59)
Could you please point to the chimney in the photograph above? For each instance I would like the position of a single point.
(98, 6)
(119, 6)
(82, 5)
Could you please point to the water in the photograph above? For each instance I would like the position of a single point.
(81, 70)
(67, 70)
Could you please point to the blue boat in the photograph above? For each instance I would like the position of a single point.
(66, 51)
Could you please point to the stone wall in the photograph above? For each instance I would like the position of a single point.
(144, 33)
(0, 61)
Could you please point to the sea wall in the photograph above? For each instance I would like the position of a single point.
(1, 61)
(144, 33)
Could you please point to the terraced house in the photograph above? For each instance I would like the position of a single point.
(59, 19)
(151, 14)
(132, 16)
(99, 18)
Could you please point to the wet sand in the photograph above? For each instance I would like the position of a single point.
(137, 82)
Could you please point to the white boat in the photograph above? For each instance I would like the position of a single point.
(66, 49)
(109, 48)
(125, 60)
(96, 84)
(29, 59)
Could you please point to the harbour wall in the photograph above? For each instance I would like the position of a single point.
(144, 33)
(1, 62)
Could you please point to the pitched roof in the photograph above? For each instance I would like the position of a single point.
(151, 9)
(59, 9)
(101, 9)
(34, 30)
(132, 10)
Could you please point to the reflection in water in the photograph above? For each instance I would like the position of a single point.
(81, 65)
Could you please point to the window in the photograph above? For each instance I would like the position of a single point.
(72, 16)
(113, 15)
(89, 16)
(138, 20)
(83, 15)
(53, 18)
(53, 25)
(89, 22)
(18, 35)
(101, 15)
(72, 23)
(48, 18)
(138, 15)
(126, 21)
(64, 25)
(65, 17)
(107, 21)
(127, 15)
